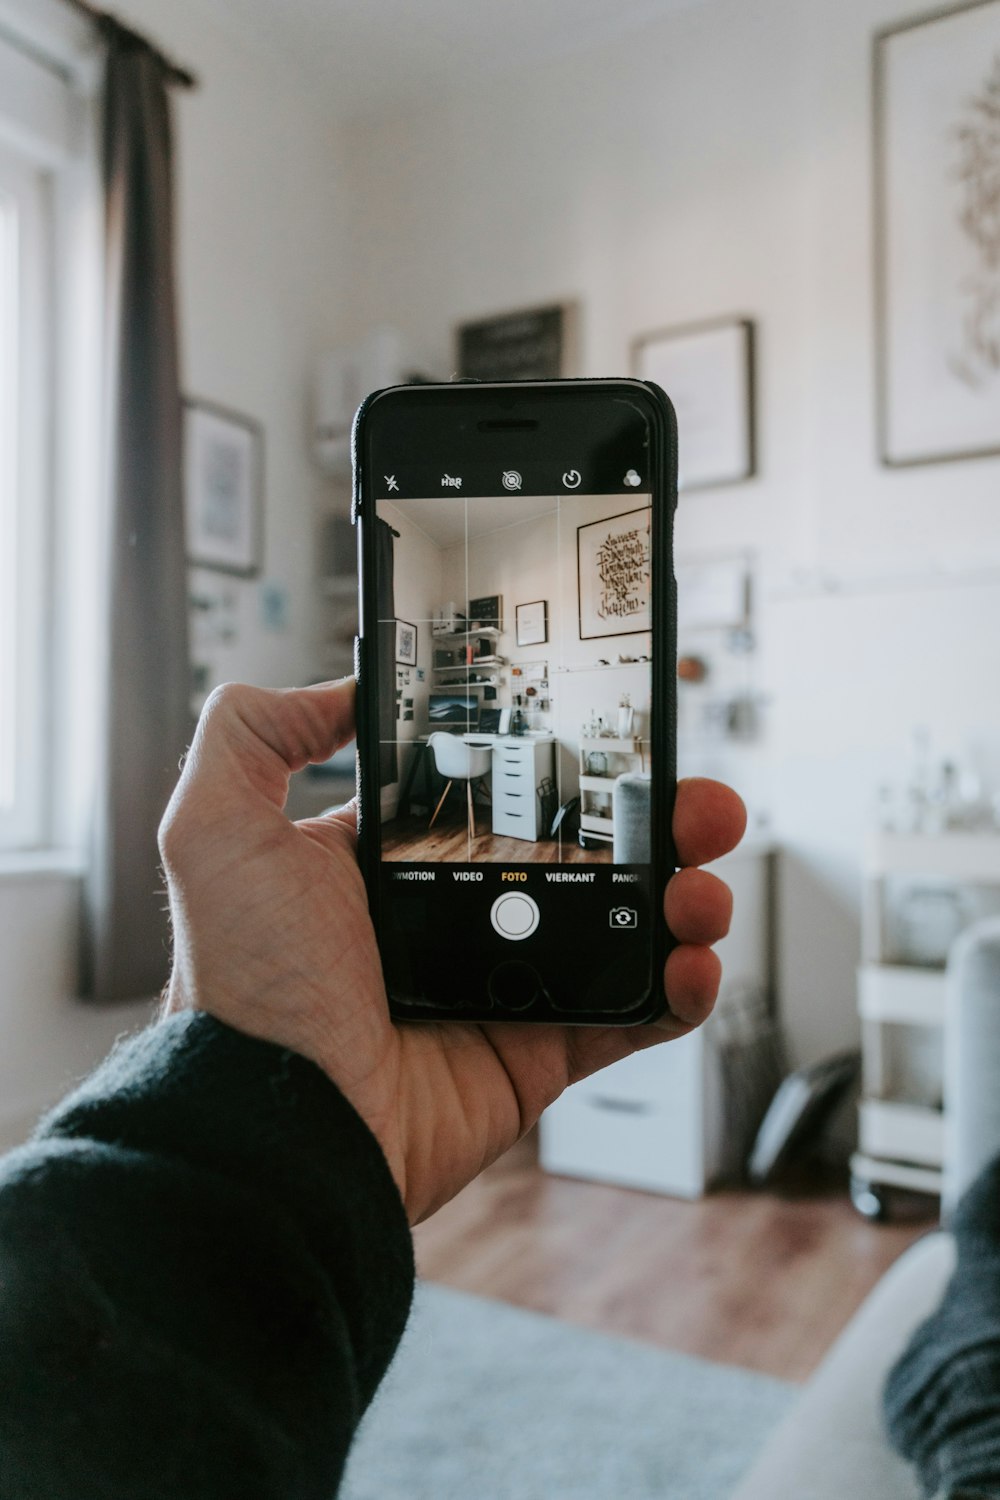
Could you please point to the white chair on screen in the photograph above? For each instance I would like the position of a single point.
(457, 761)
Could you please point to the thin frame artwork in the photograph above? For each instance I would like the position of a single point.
(532, 623)
(406, 643)
(707, 370)
(936, 89)
(223, 489)
(613, 575)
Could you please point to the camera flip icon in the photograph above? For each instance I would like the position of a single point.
(624, 917)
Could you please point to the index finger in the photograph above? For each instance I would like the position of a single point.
(709, 820)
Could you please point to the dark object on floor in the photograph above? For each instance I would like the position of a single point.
(752, 1064)
(548, 802)
(799, 1111)
(567, 820)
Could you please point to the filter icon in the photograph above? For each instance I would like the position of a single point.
(511, 479)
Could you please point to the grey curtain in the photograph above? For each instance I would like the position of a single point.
(388, 764)
(145, 717)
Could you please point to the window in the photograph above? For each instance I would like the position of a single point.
(50, 316)
(25, 255)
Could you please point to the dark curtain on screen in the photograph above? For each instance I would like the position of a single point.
(145, 724)
(388, 765)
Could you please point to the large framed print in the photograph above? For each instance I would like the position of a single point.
(223, 489)
(707, 370)
(613, 574)
(937, 226)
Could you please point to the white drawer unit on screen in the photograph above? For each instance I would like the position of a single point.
(655, 1119)
(519, 767)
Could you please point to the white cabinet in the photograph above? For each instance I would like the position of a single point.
(519, 768)
(902, 1124)
(655, 1119)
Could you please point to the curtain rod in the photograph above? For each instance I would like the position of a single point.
(106, 21)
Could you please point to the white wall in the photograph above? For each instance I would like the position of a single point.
(720, 162)
(418, 591)
(262, 246)
(537, 559)
(262, 228)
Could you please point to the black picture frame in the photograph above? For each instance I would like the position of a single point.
(631, 627)
(526, 627)
(223, 470)
(487, 611)
(405, 658)
(534, 343)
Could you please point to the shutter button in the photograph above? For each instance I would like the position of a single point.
(514, 915)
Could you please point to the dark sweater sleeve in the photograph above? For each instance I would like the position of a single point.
(205, 1269)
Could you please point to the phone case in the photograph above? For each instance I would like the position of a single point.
(664, 687)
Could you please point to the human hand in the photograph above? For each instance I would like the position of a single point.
(272, 936)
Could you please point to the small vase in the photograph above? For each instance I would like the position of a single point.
(625, 716)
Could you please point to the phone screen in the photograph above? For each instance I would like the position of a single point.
(514, 649)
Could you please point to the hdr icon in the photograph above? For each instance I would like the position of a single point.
(448, 483)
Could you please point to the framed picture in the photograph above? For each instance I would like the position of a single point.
(223, 489)
(487, 610)
(531, 344)
(936, 83)
(406, 643)
(532, 621)
(613, 575)
(707, 370)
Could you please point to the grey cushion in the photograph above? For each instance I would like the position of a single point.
(972, 1057)
(630, 819)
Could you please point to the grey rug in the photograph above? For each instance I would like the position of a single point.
(486, 1402)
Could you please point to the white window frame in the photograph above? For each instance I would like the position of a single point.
(49, 73)
(25, 498)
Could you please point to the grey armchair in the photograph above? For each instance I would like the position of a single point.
(630, 819)
(833, 1441)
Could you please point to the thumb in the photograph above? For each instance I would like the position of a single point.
(250, 740)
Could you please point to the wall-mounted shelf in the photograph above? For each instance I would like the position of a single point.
(610, 666)
(472, 666)
(481, 632)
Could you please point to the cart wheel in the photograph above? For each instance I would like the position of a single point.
(869, 1200)
(586, 843)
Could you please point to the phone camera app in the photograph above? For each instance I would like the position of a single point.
(624, 917)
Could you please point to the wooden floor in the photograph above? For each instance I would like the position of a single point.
(448, 841)
(749, 1279)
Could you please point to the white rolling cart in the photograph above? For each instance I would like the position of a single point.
(901, 1003)
(602, 760)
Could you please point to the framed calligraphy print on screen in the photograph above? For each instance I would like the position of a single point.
(613, 572)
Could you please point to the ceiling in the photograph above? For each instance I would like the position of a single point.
(446, 520)
(365, 57)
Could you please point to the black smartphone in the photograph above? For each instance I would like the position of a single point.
(516, 668)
